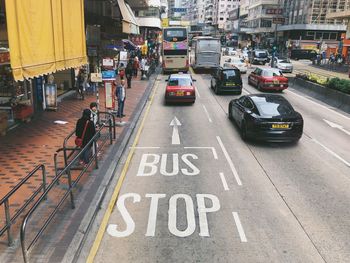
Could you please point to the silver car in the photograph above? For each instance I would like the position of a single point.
(283, 65)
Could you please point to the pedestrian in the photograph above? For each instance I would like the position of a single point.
(128, 73)
(94, 114)
(135, 66)
(143, 67)
(80, 85)
(85, 131)
(120, 93)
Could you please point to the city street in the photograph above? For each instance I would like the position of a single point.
(195, 192)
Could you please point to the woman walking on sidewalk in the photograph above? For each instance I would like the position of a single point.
(85, 130)
(128, 73)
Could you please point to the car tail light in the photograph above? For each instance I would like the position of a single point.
(188, 93)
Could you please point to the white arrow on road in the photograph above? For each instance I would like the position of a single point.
(337, 126)
(175, 137)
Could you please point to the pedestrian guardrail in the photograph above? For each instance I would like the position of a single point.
(69, 165)
(5, 201)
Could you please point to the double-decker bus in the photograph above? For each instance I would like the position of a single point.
(175, 49)
(205, 52)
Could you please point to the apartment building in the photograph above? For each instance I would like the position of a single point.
(306, 22)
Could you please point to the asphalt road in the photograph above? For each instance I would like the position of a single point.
(207, 196)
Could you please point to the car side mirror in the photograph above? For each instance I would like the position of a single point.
(166, 80)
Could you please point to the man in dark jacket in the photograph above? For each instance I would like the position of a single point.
(128, 73)
(84, 123)
(121, 95)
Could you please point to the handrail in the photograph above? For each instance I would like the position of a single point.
(5, 200)
(69, 192)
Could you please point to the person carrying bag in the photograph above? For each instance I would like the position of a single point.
(85, 131)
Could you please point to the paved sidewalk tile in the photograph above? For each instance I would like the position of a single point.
(36, 142)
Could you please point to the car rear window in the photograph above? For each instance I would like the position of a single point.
(272, 73)
(179, 82)
(231, 75)
(274, 107)
(261, 54)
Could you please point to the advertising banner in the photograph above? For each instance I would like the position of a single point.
(50, 96)
(108, 62)
(109, 93)
(108, 75)
(96, 77)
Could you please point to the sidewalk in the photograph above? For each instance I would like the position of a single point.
(36, 142)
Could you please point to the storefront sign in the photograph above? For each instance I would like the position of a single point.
(137, 40)
(165, 22)
(274, 11)
(4, 57)
(96, 77)
(278, 20)
(107, 62)
(108, 75)
(50, 96)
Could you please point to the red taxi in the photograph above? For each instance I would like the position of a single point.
(180, 88)
(268, 79)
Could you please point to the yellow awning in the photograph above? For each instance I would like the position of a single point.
(45, 36)
(130, 25)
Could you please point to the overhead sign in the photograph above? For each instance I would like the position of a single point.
(278, 20)
(165, 22)
(107, 62)
(274, 11)
(179, 10)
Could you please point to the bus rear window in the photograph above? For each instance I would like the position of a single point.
(178, 52)
(175, 34)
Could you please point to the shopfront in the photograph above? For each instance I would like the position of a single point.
(16, 100)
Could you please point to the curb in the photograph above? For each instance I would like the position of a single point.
(77, 243)
(329, 96)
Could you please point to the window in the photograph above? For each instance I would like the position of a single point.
(179, 82)
(179, 52)
(271, 73)
(318, 35)
(230, 75)
(333, 36)
(247, 104)
(221, 18)
(175, 33)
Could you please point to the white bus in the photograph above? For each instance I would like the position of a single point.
(205, 52)
(175, 49)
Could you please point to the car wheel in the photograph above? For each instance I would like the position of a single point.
(230, 112)
(249, 82)
(260, 87)
(243, 131)
(216, 90)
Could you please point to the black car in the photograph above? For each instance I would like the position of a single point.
(226, 80)
(267, 117)
(303, 54)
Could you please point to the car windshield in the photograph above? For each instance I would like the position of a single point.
(285, 61)
(273, 106)
(271, 73)
(179, 82)
(261, 54)
(230, 75)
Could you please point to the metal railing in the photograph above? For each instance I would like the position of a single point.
(69, 165)
(5, 200)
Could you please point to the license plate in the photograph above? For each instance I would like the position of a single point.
(170, 61)
(230, 84)
(280, 126)
(276, 82)
(179, 93)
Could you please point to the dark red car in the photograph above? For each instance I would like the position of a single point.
(268, 79)
(180, 88)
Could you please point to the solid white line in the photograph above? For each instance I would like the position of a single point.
(233, 169)
(332, 153)
(175, 139)
(205, 109)
(224, 183)
(245, 91)
(141, 147)
(239, 227)
(322, 106)
(212, 148)
(197, 91)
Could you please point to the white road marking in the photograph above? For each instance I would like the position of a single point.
(175, 138)
(318, 104)
(212, 148)
(145, 147)
(332, 153)
(206, 112)
(233, 169)
(239, 227)
(224, 183)
(245, 91)
(197, 91)
(336, 126)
